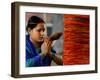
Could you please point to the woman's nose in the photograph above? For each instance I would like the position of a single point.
(42, 33)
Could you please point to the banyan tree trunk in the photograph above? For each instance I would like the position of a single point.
(76, 39)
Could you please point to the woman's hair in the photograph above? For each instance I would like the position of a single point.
(33, 21)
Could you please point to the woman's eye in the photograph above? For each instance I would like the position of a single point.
(41, 30)
(38, 30)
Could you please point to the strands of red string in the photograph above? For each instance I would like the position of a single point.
(76, 39)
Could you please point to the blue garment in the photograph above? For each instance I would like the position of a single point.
(32, 56)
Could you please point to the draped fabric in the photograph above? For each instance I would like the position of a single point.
(32, 56)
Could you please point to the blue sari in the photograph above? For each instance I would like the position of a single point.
(32, 56)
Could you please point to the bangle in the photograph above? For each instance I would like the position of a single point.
(42, 55)
(53, 55)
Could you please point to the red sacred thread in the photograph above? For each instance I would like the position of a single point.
(76, 39)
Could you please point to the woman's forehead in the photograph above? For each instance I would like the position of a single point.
(40, 25)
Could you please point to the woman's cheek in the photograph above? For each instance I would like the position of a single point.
(37, 35)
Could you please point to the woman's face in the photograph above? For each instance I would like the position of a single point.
(37, 33)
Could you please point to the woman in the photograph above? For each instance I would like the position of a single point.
(38, 46)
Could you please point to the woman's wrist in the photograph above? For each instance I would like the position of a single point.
(53, 56)
(42, 55)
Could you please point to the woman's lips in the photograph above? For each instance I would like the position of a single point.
(41, 38)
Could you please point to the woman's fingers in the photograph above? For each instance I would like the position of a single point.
(48, 44)
(48, 41)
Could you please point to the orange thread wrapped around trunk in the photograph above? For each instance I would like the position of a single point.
(76, 39)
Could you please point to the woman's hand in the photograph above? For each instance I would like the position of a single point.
(46, 46)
